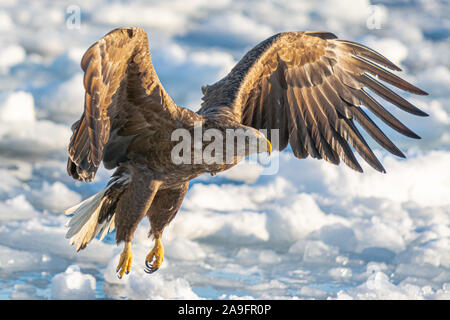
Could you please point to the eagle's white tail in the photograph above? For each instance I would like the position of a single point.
(84, 224)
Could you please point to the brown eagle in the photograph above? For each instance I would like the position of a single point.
(310, 86)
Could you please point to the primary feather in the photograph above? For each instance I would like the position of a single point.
(310, 86)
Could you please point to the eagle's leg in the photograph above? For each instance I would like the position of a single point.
(163, 209)
(156, 256)
(126, 257)
(132, 206)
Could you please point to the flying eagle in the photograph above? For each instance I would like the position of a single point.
(308, 85)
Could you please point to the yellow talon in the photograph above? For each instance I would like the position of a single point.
(157, 254)
(126, 257)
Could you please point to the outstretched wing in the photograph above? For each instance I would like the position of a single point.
(310, 86)
(124, 99)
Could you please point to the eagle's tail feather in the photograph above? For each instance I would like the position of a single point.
(96, 214)
(83, 226)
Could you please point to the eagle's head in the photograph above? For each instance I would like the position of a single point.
(250, 141)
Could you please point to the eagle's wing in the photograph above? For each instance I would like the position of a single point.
(310, 86)
(124, 99)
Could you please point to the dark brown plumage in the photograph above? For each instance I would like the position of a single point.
(309, 85)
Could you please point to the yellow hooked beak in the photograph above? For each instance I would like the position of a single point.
(264, 145)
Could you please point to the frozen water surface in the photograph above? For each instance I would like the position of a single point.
(313, 231)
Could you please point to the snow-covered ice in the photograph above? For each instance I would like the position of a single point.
(73, 285)
(313, 231)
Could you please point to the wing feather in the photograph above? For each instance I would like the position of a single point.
(363, 51)
(310, 86)
(372, 129)
(376, 108)
(391, 96)
(123, 98)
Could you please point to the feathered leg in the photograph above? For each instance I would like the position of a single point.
(131, 208)
(163, 209)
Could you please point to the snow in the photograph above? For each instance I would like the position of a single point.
(20, 206)
(73, 285)
(17, 107)
(11, 55)
(311, 231)
(6, 22)
(56, 197)
(232, 30)
(21, 132)
(390, 47)
(140, 286)
(66, 103)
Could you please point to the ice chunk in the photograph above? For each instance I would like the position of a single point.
(73, 285)
(297, 217)
(317, 252)
(17, 107)
(17, 208)
(230, 29)
(391, 48)
(21, 133)
(55, 197)
(184, 249)
(156, 287)
(11, 55)
(6, 22)
(65, 102)
(24, 292)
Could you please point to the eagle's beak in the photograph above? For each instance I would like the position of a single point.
(264, 145)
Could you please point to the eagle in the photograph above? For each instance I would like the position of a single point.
(310, 86)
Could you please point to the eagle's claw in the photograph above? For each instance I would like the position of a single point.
(157, 254)
(126, 257)
(150, 270)
(150, 267)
